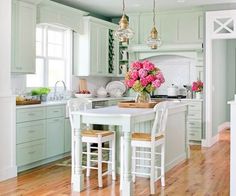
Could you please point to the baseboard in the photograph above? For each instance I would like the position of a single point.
(7, 173)
(176, 161)
(213, 140)
(224, 126)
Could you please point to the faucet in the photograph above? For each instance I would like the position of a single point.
(55, 87)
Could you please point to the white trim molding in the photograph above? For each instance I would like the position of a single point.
(219, 25)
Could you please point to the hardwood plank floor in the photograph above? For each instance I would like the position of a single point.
(206, 173)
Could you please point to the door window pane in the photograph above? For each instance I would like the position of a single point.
(56, 71)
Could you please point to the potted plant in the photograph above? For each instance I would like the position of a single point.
(197, 87)
(143, 77)
(41, 92)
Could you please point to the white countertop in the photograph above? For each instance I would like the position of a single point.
(63, 102)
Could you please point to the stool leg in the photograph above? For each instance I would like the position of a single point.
(88, 159)
(99, 161)
(152, 171)
(134, 163)
(121, 161)
(113, 166)
(163, 164)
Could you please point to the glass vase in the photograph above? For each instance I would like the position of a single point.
(142, 97)
(198, 95)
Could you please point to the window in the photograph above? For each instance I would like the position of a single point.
(53, 57)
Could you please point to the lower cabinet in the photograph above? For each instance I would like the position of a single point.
(55, 137)
(43, 134)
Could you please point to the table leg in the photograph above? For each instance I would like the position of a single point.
(78, 177)
(127, 182)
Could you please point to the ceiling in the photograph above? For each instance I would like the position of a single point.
(113, 8)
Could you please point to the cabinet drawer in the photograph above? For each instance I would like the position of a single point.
(195, 135)
(30, 152)
(194, 106)
(55, 111)
(30, 131)
(194, 114)
(194, 124)
(29, 114)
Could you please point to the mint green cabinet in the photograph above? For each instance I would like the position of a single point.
(23, 37)
(67, 140)
(55, 137)
(42, 134)
(91, 49)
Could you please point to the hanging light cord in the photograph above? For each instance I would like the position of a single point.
(154, 13)
(123, 7)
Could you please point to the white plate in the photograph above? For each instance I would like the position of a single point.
(114, 86)
(79, 95)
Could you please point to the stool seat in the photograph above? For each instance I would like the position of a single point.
(145, 137)
(95, 133)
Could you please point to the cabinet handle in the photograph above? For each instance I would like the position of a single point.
(19, 68)
(192, 134)
(31, 152)
(31, 114)
(56, 111)
(31, 131)
(56, 120)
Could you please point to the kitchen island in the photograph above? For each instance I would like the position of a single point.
(130, 119)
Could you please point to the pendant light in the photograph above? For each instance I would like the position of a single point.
(124, 33)
(153, 40)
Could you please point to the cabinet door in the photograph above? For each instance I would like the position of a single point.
(24, 46)
(146, 24)
(134, 25)
(94, 41)
(55, 136)
(102, 51)
(189, 28)
(67, 147)
(168, 28)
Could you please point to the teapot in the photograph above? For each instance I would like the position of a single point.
(172, 90)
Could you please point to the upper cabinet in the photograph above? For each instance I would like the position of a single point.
(173, 27)
(96, 50)
(58, 14)
(23, 37)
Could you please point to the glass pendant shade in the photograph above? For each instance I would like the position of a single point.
(153, 40)
(124, 33)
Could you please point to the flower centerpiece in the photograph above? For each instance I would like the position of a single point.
(143, 77)
(198, 88)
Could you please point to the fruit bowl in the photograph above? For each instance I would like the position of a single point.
(80, 95)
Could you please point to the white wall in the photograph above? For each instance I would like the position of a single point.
(219, 84)
(7, 102)
(231, 72)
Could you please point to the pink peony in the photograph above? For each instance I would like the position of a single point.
(197, 86)
(142, 73)
(137, 65)
(148, 66)
(156, 83)
(129, 83)
(151, 78)
(144, 82)
(134, 75)
(160, 77)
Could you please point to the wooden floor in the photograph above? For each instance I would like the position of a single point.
(205, 174)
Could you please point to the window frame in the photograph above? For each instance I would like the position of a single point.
(66, 56)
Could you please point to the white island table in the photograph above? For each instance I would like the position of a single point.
(126, 118)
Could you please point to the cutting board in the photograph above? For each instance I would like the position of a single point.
(28, 102)
(133, 104)
(83, 84)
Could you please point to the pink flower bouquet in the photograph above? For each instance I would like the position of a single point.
(197, 86)
(144, 76)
